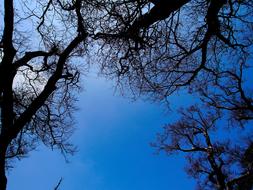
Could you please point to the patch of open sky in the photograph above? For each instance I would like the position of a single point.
(113, 136)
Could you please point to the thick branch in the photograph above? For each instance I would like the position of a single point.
(160, 11)
(29, 56)
(48, 89)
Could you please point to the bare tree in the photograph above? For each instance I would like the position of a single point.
(215, 159)
(155, 47)
(37, 76)
(204, 47)
(158, 54)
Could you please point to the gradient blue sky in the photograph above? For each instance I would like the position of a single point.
(113, 136)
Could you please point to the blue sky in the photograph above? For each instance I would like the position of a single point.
(113, 136)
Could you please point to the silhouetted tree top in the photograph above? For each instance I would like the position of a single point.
(38, 77)
(192, 33)
(197, 45)
(204, 47)
(152, 47)
(215, 160)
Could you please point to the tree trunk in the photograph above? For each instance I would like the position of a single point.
(3, 179)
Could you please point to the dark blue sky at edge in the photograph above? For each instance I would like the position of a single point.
(113, 136)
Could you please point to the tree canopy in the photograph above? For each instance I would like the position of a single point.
(152, 47)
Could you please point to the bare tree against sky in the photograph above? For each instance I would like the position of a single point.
(216, 158)
(153, 47)
(37, 83)
(204, 47)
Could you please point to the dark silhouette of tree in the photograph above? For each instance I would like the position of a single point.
(155, 47)
(204, 47)
(38, 76)
(215, 159)
(172, 52)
